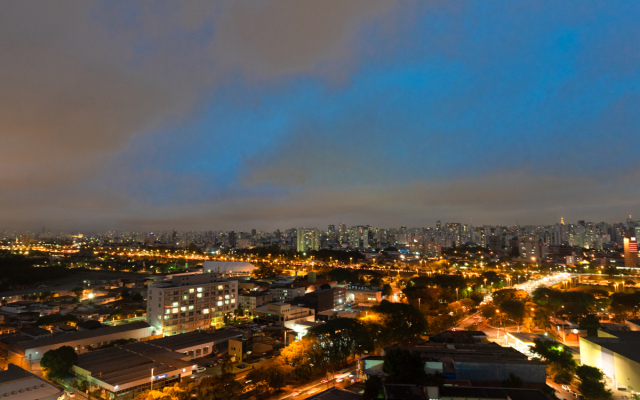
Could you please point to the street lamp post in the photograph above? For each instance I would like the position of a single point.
(456, 294)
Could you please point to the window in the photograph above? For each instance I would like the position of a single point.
(167, 316)
(175, 304)
(233, 301)
(190, 307)
(205, 311)
(199, 289)
(185, 297)
(167, 311)
(220, 287)
(191, 290)
(183, 308)
(199, 295)
(226, 296)
(219, 303)
(175, 310)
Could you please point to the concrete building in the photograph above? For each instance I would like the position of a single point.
(189, 302)
(286, 315)
(363, 295)
(249, 301)
(617, 354)
(19, 384)
(286, 292)
(27, 353)
(326, 299)
(124, 372)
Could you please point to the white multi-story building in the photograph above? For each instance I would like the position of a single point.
(188, 302)
(287, 292)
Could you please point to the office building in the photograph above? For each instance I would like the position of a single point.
(326, 299)
(188, 302)
(630, 250)
(285, 314)
(19, 384)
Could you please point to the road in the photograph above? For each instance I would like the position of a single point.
(309, 389)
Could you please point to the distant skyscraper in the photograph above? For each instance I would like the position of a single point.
(630, 250)
(233, 239)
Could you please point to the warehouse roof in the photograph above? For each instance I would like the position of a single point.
(179, 342)
(70, 337)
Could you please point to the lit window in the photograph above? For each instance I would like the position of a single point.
(233, 301)
(226, 296)
(175, 310)
(175, 304)
(191, 290)
(185, 297)
(190, 307)
(219, 303)
(167, 311)
(183, 308)
(199, 289)
(220, 287)
(199, 295)
(226, 302)
(166, 317)
(205, 311)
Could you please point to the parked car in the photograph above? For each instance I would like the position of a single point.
(201, 369)
(71, 394)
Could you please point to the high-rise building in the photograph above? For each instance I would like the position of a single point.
(187, 302)
(630, 250)
(233, 239)
(307, 239)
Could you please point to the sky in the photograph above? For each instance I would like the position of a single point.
(207, 115)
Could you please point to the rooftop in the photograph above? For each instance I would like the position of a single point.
(624, 343)
(130, 363)
(195, 338)
(25, 385)
(63, 338)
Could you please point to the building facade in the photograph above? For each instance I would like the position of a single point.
(190, 302)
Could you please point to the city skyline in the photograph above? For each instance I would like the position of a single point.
(133, 116)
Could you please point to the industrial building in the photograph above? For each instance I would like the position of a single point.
(617, 354)
(27, 353)
(124, 372)
(19, 384)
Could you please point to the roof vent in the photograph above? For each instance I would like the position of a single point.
(43, 385)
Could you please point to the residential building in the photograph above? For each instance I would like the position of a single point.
(186, 303)
(19, 384)
(249, 301)
(287, 292)
(308, 239)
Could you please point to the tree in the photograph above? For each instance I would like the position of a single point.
(399, 322)
(341, 338)
(404, 366)
(259, 377)
(387, 291)
(220, 387)
(591, 383)
(561, 362)
(372, 388)
(513, 308)
(57, 363)
(505, 294)
(513, 381)
(591, 324)
(301, 355)
(325, 286)
(226, 364)
(78, 291)
(278, 375)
